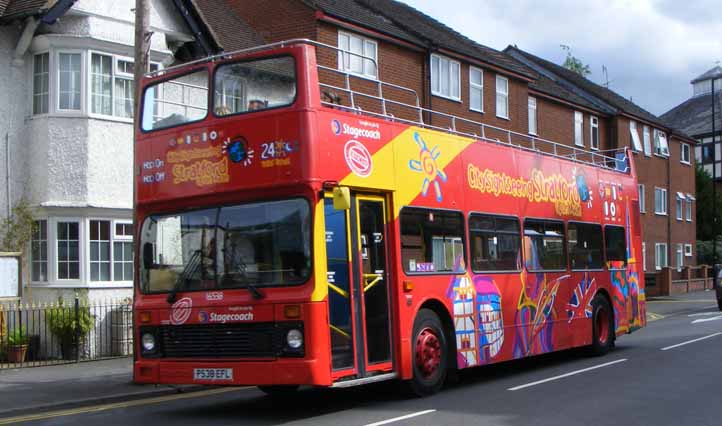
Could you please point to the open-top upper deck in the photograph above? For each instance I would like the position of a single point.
(206, 120)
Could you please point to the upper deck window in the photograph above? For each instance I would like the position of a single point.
(180, 100)
(254, 85)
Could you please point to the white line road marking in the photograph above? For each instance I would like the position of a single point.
(706, 319)
(703, 314)
(690, 341)
(396, 419)
(584, 370)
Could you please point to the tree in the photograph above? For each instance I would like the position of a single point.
(705, 213)
(574, 64)
(17, 230)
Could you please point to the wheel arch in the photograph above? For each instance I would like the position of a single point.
(442, 312)
(607, 296)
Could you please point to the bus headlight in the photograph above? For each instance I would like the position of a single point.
(294, 338)
(148, 342)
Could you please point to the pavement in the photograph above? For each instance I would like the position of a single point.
(71, 385)
(679, 343)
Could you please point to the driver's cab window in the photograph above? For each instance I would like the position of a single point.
(254, 85)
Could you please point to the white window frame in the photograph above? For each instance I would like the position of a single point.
(45, 261)
(532, 111)
(113, 239)
(679, 258)
(502, 95)
(688, 208)
(647, 141)
(663, 198)
(45, 76)
(476, 87)
(684, 147)
(679, 206)
(344, 60)
(83, 81)
(688, 250)
(578, 129)
(658, 265)
(436, 83)
(661, 146)
(641, 191)
(634, 134)
(116, 238)
(81, 250)
(644, 256)
(115, 75)
(593, 130)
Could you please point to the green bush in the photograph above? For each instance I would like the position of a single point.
(18, 337)
(64, 324)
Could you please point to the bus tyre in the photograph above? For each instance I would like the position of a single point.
(429, 354)
(602, 326)
(279, 391)
(719, 304)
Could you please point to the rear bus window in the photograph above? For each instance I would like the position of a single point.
(615, 242)
(495, 243)
(544, 245)
(585, 246)
(176, 101)
(432, 241)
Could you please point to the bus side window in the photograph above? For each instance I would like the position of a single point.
(544, 247)
(432, 241)
(495, 243)
(615, 243)
(584, 241)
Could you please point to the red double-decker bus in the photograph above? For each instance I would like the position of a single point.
(300, 225)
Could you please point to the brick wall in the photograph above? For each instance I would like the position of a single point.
(276, 20)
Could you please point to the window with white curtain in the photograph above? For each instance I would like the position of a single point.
(688, 208)
(532, 116)
(593, 132)
(578, 128)
(642, 198)
(660, 201)
(660, 256)
(660, 143)
(362, 58)
(636, 144)
(476, 89)
(647, 141)
(445, 77)
(111, 85)
(69, 81)
(502, 97)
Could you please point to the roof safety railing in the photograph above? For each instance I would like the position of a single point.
(614, 159)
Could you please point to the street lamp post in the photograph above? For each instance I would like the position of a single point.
(714, 184)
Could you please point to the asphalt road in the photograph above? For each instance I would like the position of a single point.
(669, 373)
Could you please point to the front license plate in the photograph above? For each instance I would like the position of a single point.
(214, 374)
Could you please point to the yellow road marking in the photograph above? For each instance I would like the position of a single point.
(113, 406)
(651, 316)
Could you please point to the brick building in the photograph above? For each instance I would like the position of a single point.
(510, 90)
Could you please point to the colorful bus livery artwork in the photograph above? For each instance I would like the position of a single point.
(286, 240)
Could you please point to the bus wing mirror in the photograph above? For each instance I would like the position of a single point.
(341, 198)
(147, 255)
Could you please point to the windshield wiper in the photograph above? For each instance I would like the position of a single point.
(241, 269)
(193, 263)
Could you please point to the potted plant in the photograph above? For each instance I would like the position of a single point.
(17, 345)
(70, 326)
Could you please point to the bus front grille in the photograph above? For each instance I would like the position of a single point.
(251, 340)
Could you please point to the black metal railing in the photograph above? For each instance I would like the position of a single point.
(64, 331)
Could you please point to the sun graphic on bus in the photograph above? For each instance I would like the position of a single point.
(427, 165)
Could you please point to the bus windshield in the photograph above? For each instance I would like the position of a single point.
(238, 87)
(256, 244)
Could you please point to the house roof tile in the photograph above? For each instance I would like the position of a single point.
(694, 116)
(223, 23)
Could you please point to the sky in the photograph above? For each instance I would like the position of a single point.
(651, 48)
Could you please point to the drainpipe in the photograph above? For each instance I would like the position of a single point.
(31, 24)
(670, 213)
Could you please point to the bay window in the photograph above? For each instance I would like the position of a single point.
(39, 251)
(41, 83)
(69, 81)
(68, 250)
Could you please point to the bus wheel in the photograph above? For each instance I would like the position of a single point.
(719, 304)
(279, 391)
(602, 326)
(430, 354)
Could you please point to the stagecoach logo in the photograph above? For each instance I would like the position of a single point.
(205, 317)
(181, 311)
(336, 127)
(358, 158)
(373, 132)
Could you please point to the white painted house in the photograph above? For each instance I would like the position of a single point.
(66, 111)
